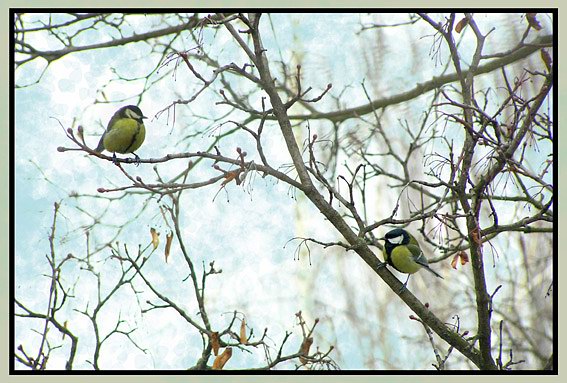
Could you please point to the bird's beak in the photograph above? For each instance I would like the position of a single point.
(382, 239)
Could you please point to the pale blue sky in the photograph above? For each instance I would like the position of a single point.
(245, 235)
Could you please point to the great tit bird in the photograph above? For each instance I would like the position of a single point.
(402, 252)
(125, 132)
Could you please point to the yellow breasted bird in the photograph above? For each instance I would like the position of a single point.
(125, 132)
(402, 252)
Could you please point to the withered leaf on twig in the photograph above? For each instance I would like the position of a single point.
(461, 24)
(168, 239)
(221, 360)
(155, 237)
(304, 349)
(66, 328)
(462, 256)
(215, 342)
(243, 338)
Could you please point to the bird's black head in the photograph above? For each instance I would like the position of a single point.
(397, 237)
(133, 112)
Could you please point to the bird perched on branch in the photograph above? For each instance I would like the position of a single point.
(125, 132)
(402, 252)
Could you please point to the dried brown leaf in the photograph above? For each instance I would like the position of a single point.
(304, 349)
(215, 342)
(461, 24)
(462, 256)
(221, 359)
(229, 176)
(454, 261)
(168, 240)
(155, 237)
(243, 338)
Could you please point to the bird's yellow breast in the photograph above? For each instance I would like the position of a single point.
(402, 259)
(125, 136)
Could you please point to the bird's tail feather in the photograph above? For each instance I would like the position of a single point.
(433, 271)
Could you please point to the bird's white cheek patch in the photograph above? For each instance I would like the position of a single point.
(130, 113)
(396, 240)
